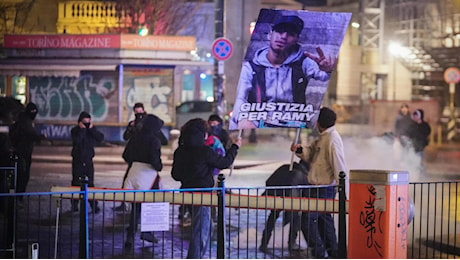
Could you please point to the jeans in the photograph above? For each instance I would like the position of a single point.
(201, 232)
(318, 227)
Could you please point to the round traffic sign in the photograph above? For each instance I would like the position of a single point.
(222, 48)
(452, 75)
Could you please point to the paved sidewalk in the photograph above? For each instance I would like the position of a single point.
(265, 151)
(111, 154)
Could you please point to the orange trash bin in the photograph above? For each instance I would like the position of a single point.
(378, 210)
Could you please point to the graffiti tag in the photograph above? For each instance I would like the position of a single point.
(369, 219)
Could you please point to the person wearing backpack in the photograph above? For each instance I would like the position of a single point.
(279, 72)
(283, 176)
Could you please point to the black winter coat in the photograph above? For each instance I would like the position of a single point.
(145, 146)
(194, 166)
(83, 142)
(194, 162)
(24, 135)
(419, 135)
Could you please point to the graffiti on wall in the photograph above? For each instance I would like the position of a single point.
(62, 132)
(153, 88)
(63, 98)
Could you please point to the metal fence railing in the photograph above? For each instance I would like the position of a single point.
(435, 229)
(46, 226)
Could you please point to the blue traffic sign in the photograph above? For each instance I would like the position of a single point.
(222, 48)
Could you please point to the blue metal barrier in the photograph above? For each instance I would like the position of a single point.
(242, 213)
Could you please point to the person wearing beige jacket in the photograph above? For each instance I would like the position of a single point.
(327, 159)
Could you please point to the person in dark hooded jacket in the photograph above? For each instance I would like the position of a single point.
(84, 139)
(216, 124)
(283, 176)
(143, 154)
(23, 137)
(193, 165)
(131, 130)
(419, 133)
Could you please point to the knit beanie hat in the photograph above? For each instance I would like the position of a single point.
(83, 115)
(215, 117)
(326, 117)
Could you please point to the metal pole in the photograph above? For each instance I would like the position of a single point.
(56, 234)
(296, 141)
(342, 218)
(218, 65)
(83, 252)
(12, 205)
(451, 129)
(221, 217)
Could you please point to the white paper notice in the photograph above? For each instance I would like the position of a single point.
(155, 216)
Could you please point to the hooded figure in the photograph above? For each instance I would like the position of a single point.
(193, 153)
(84, 139)
(31, 110)
(82, 116)
(85, 136)
(23, 136)
(131, 130)
(145, 147)
(143, 154)
(216, 124)
(419, 131)
(193, 166)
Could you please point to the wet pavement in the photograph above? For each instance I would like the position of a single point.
(258, 160)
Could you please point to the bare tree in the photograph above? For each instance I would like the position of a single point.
(160, 17)
(13, 15)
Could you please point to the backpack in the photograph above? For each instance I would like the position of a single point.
(298, 80)
(283, 177)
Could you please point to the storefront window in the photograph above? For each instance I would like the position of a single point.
(2, 86)
(188, 87)
(152, 86)
(206, 91)
(19, 88)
